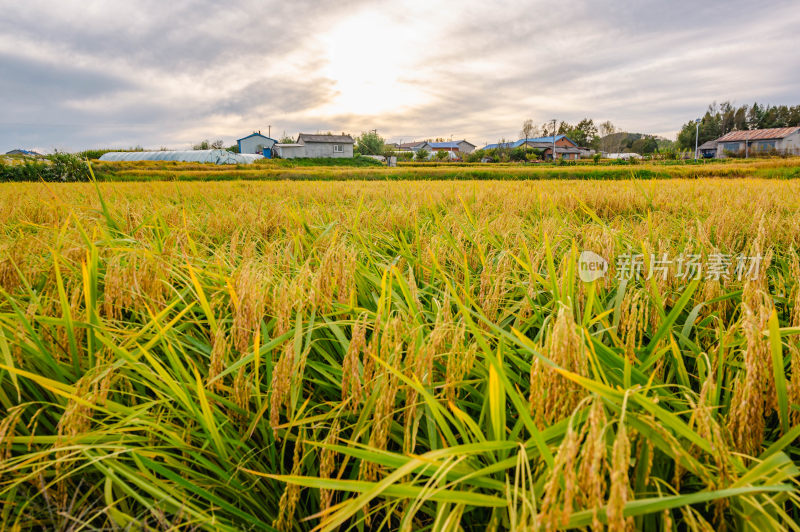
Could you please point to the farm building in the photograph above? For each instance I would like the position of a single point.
(565, 147)
(256, 143)
(781, 140)
(453, 146)
(192, 156)
(708, 149)
(415, 146)
(309, 145)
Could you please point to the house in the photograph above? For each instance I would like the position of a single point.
(707, 150)
(256, 143)
(415, 146)
(566, 148)
(453, 146)
(311, 145)
(784, 140)
(22, 152)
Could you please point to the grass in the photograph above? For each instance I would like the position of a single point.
(413, 355)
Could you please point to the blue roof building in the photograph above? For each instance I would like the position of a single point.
(531, 142)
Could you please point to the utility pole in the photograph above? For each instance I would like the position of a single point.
(269, 131)
(554, 140)
(696, 136)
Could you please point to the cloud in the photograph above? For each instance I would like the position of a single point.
(78, 74)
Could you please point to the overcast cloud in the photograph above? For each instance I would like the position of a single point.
(87, 74)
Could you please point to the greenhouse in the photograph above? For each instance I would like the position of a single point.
(192, 156)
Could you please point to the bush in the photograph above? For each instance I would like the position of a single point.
(59, 167)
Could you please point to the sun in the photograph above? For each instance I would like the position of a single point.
(366, 55)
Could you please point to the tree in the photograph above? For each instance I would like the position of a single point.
(286, 140)
(422, 154)
(528, 130)
(548, 129)
(583, 134)
(370, 143)
(503, 150)
(606, 129)
(441, 155)
(644, 145)
(206, 145)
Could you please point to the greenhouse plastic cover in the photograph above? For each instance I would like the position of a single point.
(192, 156)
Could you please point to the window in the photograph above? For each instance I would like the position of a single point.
(765, 145)
(338, 148)
(731, 146)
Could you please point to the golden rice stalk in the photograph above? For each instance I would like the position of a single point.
(327, 465)
(251, 294)
(552, 396)
(754, 394)
(562, 484)
(591, 471)
(620, 488)
(219, 350)
(352, 388)
(281, 385)
(291, 494)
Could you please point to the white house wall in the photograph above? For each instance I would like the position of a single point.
(325, 149)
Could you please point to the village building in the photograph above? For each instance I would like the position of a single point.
(415, 146)
(256, 143)
(565, 147)
(317, 146)
(782, 140)
(707, 150)
(454, 146)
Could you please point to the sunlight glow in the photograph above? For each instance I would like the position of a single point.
(366, 55)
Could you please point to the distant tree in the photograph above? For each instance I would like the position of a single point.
(503, 150)
(606, 129)
(528, 131)
(388, 151)
(206, 145)
(644, 146)
(548, 129)
(234, 148)
(370, 143)
(475, 156)
(422, 154)
(583, 134)
(519, 154)
(442, 155)
(286, 140)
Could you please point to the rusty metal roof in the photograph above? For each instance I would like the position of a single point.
(758, 134)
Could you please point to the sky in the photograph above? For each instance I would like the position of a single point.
(104, 73)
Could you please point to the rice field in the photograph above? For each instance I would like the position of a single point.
(294, 170)
(365, 355)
